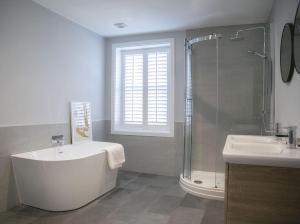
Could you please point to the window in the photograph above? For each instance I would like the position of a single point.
(142, 88)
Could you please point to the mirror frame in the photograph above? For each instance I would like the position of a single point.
(295, 64)
(288, 27)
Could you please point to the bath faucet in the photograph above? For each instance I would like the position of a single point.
(58, 140)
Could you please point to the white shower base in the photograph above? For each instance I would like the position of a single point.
(208, 188)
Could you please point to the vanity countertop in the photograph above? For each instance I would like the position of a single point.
(260, 150)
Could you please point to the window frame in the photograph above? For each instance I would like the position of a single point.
(116, 89)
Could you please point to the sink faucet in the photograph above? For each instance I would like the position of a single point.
(292, 136)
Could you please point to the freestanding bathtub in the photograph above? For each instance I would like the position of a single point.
(63, 178)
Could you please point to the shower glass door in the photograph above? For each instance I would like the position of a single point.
(201, 110)
(205, 92)
(188, 114)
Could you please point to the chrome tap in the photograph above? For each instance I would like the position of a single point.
(58, 140)
(292, 136)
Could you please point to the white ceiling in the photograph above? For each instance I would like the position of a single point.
(143, 16)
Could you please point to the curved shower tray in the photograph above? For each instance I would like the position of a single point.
(202, 184)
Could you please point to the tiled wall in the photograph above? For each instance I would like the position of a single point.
(156, 155)
(20, 139)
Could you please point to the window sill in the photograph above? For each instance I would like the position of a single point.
(143, 133)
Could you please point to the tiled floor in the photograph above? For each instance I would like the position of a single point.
(138, 199)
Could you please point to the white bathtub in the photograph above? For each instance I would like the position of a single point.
(63, 178)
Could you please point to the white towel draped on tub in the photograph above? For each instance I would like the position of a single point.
(115, 155)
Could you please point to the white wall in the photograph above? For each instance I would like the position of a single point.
(179, 37)
(287, 106)
(45, 62)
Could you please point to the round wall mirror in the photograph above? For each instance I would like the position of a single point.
(297, 40)
(286, 53)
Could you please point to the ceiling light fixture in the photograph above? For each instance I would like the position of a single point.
(120, 25)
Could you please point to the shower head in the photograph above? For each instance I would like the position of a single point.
(236, 37)
(257, 54)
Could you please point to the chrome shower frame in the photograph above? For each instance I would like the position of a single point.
(213, 36)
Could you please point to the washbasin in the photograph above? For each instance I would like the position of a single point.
(260, 150)
(255, 148)
(252, 139)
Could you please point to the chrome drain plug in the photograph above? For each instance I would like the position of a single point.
(198, 181)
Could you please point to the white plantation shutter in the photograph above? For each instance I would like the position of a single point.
(133, 88)
(158, 88)
(143, 94)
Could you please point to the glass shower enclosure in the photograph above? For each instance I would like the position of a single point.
(219, 100)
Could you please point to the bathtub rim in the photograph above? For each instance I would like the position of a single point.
(81, 156)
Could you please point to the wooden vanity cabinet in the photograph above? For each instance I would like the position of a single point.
(262, 195)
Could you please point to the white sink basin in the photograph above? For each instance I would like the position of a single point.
(256, 148)
(252, 138)
(259, 150)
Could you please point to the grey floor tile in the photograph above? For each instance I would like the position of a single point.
(134, 185)
(158, 189)
(139, 182)
(139, 202)
(54, 218)
(121, 216)
(192, 201)
(152, 218)
(92, 215)
(144, 180)
(212, 217)
(216, 205)
(21, 215)
(175, 190)
(184, 215)
(127, 174)
(163, 181)
(214, 213)
(16, 220)
(148, 175)
(29, 211)
(139, 199)
(165, 205)
(116, 198)
(125, 177)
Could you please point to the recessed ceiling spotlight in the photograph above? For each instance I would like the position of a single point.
(120, 25)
